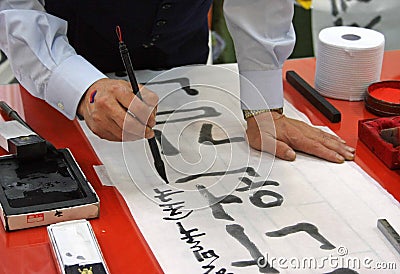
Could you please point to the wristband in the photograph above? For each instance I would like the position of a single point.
(247, 113)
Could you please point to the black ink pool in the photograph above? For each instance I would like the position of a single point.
(54, 181)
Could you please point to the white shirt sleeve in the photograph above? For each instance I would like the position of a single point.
(264, 38)
(41, 58)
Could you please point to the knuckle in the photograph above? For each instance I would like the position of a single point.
(325, 139)
(114, 88)
(138, 108)
(102, 102)
(150, 98)
(296, 139)
(96, 118)
(106, 109)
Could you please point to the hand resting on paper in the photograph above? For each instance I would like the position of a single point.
(104, 108)
(290, 135)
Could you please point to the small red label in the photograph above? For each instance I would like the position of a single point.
(35, 218)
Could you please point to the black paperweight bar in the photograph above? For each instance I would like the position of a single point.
(316, 99)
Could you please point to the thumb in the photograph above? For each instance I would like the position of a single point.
(284, 152)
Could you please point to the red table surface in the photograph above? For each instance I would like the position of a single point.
(29, 251)
(123, 246)
(351, 112)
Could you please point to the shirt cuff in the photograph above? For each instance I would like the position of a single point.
(68, 82)
(261, 89)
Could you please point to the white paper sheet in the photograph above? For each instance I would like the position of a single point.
(187, 235)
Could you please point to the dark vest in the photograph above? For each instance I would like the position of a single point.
(159, 34)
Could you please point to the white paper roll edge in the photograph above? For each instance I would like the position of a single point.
(351, 38)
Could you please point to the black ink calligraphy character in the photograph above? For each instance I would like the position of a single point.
(207, 112)
(344, 8)
(370, 25)
(310, 229)
(163, 195)
(343, 5)
(334, 8)
(237, 232)
(189, 237)
(338, 22)
(183, 82)
(374, 22)
(166, 147)
(257, 197)
(222, 271)
(207, 139)
(254, 185)
(215, 203)
(174, 210)
(210, 254)
(197, 248)
(249, 170)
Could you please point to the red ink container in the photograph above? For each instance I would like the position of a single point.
(383, 98)
(369, 132)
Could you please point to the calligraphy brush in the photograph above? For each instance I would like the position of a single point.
(158, 162)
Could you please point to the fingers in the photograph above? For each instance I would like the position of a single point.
(104, 108)
(142, 109)
(335, 144)
(319, 143)
(322, 144)
(290, 134)
(323, 148)
(108, 129)
(279, 148)
(266, 141)
(133, 129)
(142, 112)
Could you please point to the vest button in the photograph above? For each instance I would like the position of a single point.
(166, 6)
(161, 23)
(155, 38)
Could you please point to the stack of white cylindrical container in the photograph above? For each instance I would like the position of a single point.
(348, 60)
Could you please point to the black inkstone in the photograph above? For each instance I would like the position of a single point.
(52, 182)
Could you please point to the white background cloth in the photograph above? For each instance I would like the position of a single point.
(361, 13)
